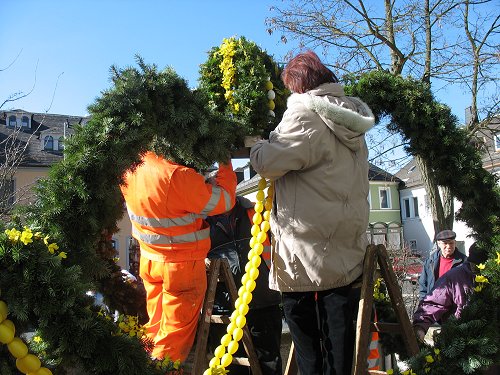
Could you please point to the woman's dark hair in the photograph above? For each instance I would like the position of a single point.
(305, 72)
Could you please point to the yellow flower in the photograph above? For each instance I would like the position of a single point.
(38, 235)
(46, 240)
(52, 247)
(26, 236)
(481, 279)
(390, 371)
(478, 288)
(37, 339)
(62, 255)
(481, 266)
(429, 359)
(498, 258)
(437, 351)
(13, 234)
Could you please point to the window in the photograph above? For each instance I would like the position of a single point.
(12, 121)
(413, 245)
(410, 207)
(48, 143)
(60, 143)
(415, 207)
(385, 197)
(25, 122)
(7, 194)
(406, 205)
(496, 141)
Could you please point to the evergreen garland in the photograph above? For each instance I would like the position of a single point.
(470, 343)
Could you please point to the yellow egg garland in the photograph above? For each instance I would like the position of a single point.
(223, 354)
(25, 362)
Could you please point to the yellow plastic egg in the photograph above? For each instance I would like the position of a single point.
(247, 297)
(252, 242)
(243, 309)
(17, 348)
(255, 229)
(270, 190)
(242, 288)
(4, 310)
(267, 215)
(41, 371)
(250, 285)
(208, 371)
(250, 254)
(219, 351)
(262, 184)
(265, 226)
(237, 334)
(214, 362)
(258, 249)
(226, 360)
(255, 261)
(7, 334)
(268, 204)
(232, 347)
(230, 327)
(271, 105)
(247, 266)
(259, 207)
(10, 324)
(245, 277)
(253, 273)
(261, 237)
(234, 315)
(256, 219)
(269, 85)
(225, 339)
(29, 363)
(241, 321)
(260, 196)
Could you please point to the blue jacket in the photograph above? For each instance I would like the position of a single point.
(430, 271)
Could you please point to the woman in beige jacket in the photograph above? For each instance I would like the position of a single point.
(317, 157)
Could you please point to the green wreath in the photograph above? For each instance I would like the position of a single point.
(243, 83)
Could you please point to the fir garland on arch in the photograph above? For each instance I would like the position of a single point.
(472, 342)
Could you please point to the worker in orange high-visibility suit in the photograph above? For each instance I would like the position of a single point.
(167, 204)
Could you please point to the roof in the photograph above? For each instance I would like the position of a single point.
(42, 124)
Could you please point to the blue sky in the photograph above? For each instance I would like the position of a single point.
(73, 43)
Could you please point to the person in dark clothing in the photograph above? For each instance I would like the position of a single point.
(230, 236)
(439, 262)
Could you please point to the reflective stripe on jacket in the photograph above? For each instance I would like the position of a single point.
(167, 203)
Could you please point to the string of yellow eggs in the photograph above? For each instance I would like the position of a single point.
(223, 354)
(25, 362)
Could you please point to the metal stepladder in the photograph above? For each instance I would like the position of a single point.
(219, 272)
(364, 327)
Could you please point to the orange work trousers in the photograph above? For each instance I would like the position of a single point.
(175, 293)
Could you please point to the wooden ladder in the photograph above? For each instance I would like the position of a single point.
(219, 272)
(364, 327)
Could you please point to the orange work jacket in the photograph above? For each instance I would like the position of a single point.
(167, 204)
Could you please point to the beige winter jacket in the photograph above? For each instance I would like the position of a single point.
(317, 156)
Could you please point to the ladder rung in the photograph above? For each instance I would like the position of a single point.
(221, 319)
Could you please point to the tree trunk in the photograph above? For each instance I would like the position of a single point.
(441, 216)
